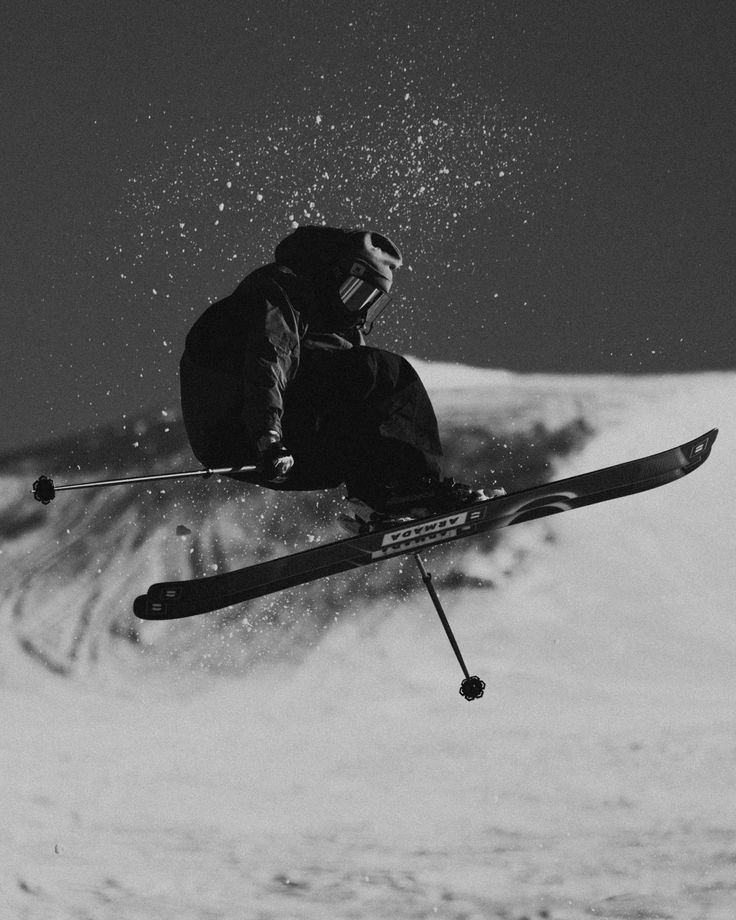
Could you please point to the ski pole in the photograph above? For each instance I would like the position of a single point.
(472, 687)
(44, 489)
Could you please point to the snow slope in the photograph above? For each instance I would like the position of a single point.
(595, 778)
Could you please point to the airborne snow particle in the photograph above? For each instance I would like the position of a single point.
(373, 158)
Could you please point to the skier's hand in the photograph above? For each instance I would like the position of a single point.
(274, 459)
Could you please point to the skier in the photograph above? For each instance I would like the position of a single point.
(278, 375)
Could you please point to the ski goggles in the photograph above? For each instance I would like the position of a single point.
(362, 298)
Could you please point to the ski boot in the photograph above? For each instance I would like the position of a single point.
(363, 519)
(440, 496)
(428, 499)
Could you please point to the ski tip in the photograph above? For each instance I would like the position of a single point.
(146, 609)
(698, 450)
(140, 605)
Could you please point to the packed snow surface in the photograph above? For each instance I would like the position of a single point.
(594, 779)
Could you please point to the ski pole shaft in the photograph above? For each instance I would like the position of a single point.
(472, 687)
(44, 489)
(427, 579)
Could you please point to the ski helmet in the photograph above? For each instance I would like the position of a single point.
(353, 269)
(365, 275)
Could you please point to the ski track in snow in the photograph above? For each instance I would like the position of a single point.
(594, 779)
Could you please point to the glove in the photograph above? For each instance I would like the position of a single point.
(274, 459)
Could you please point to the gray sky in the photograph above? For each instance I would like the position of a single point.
(559, 176)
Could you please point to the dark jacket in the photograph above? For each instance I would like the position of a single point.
(242, 354)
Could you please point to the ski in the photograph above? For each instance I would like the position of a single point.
(177, 599)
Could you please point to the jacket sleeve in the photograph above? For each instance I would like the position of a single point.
(270, 355)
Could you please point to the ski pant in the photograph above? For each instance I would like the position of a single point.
(358, 416)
